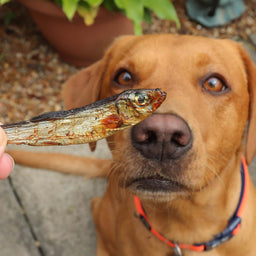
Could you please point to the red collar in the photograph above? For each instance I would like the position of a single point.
(232, 228)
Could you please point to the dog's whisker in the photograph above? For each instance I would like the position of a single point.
(216, 174)
(211, 169)
(217, 156)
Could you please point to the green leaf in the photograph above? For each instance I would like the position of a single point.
(69, 8)
(58, 2)
(88, 16)
(85, 5)
(134, 10)
(94, 3)
(137, 28)
(3, 2)
(147, 16)
(110, 5)
(164, 9)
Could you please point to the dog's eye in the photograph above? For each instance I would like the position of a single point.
(124, 78)
(214, 84)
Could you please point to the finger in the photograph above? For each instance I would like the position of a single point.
(3, 141)
(6, 165)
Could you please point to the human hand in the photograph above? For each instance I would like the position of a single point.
(6, 162)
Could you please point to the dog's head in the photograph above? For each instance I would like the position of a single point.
(198, 131)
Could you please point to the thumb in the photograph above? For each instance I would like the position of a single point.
(3, 141)
(6, 161)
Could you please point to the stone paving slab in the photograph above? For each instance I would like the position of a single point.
(15, 236)
(58, 207)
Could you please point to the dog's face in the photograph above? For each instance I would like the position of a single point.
(197, 132)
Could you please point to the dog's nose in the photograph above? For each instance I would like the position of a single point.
(162, 137)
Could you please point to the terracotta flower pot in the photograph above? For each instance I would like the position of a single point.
(77, 43)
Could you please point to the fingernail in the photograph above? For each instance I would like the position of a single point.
(13, 163)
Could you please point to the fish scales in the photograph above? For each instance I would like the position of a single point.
(89, 123)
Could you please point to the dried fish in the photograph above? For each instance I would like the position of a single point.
(89, 123)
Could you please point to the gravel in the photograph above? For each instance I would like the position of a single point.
(32, 74)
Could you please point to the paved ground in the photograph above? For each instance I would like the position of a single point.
(44, 213)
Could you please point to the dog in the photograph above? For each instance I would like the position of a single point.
(178, 181)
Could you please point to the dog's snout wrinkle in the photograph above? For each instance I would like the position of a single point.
(162, 137)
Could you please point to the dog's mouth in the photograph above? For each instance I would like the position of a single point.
(155, 184)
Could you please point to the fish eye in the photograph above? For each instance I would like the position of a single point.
(214, 84)
(141, 99)
(124, 78)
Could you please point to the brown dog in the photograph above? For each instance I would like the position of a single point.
(184, 161)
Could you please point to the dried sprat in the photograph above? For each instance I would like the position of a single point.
(90, 123)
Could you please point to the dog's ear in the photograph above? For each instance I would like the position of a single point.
(250, 149)
(83, 88)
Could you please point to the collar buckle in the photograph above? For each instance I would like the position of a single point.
(177, 250)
